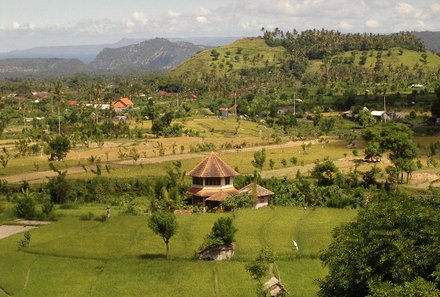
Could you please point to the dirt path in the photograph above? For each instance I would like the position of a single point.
(42, 175)
(8, 230)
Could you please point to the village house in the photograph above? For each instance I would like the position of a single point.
(261, 194)
(212, 181)
(122, 104)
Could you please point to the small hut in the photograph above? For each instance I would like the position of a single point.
(274, 287)
(262, 194)
(212, 181)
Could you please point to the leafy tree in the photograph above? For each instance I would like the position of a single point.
(366, 119)
(326, 173)
(165, 225)
(58, 187)
(259, 159)
(391, 246)
(161, 123)
(238, 201)
(222, 232)
(435, 106)
(58, 148)
(26, 206)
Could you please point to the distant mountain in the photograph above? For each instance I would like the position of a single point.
(151, 55)
(430, 39)
(40, 67)
(85, 53)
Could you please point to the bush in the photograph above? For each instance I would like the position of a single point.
(237, 201)
(222, 232)
(25, 241)
(26, 206)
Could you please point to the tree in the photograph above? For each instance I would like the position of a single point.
(435, 106)
(326, 173)
(165, 225)
(259, 159)
(222, 232)
(392, 245)
(58, 148)
(366, 119)
(26, 206)
(57, 187)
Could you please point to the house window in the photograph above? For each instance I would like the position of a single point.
(227, 180)
(212, 181)
(197, 181)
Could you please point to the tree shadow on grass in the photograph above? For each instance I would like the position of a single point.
(152, 256)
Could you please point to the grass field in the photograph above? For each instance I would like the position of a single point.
(122, 257)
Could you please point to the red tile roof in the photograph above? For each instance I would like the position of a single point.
(212, 166)
(118, 104)
(126, 101)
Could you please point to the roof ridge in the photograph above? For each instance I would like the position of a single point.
(217, 161)
(207, 162)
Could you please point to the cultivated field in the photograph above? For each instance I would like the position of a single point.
(122, 257)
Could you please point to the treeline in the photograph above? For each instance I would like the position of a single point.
(318, 44)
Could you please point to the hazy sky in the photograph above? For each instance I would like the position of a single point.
(30, 23)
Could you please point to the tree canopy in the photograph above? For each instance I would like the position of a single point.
(393, 246)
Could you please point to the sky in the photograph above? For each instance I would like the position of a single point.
(31, 23)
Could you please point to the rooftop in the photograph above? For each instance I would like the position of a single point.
(212, 166)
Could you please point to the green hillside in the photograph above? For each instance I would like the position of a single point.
(254, 53)
(244, 53)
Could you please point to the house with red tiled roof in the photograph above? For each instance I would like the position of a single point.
(122, 104)
(212, 181)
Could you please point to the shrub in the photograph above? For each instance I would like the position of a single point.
(222, 232)
(25, 241)
(237, 201)
(25, 207)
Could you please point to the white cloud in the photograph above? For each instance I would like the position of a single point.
(139, 17)
(204, 11)
(201, 19)
(17, 26)
(373, 24)
(173, 14)
(345, 25)
(435, 7)
(406, 10)
(420, 25)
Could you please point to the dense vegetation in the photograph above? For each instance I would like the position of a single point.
(285, 135)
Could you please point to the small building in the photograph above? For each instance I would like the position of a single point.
(262, 194)
(274, 287)
(122, 104)
(212, 181)
(380, 115)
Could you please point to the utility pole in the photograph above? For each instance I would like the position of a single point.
(59, 122)
(384, 109)
(235, 103)
(294, 104)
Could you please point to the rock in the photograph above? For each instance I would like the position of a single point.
(217, 253)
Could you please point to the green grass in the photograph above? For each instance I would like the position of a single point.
(122, 257)
(255, 53)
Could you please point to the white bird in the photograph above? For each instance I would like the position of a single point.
(295, 244)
